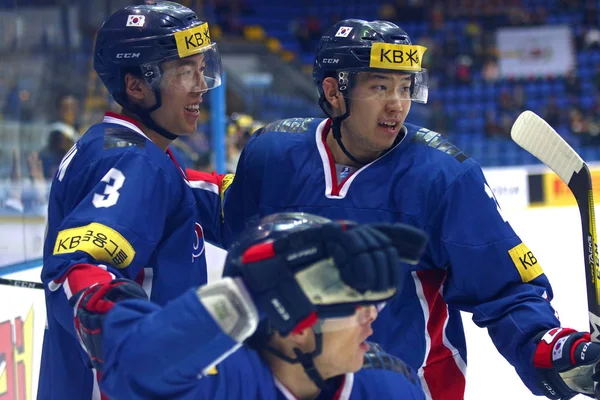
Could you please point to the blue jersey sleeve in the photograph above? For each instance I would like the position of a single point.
(490, 271)
(105, 220)
(240, 205)
(161, 353)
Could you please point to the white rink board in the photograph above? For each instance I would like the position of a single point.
(554, 236)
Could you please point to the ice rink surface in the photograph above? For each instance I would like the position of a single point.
(554, 236)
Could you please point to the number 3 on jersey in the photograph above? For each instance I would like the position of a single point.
(114, 180)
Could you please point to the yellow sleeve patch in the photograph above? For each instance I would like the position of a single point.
(526, 263)
(212, 371)
(225, 183)
(99, 241)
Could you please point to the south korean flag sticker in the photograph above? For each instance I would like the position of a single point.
(136, 20)
(344, 31)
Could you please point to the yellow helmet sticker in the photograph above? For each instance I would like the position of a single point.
(401, 57)
(193, 40)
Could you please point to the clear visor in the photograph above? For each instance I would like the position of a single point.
(199, 72)
(385, 86)
(362, 316)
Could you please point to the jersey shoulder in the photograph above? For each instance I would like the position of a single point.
(284, 138)
(435, 153)
(434, 144)
(106, 143)
(291, 125)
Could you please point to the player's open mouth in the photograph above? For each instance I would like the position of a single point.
(388, 125)
(193, 108)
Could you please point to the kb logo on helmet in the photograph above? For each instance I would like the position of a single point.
(396, 56)
(193, 40)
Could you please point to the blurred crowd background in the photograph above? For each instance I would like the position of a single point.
(488, 61)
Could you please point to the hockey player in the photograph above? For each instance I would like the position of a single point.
(366, 164)
(121, 212)
(313, 284)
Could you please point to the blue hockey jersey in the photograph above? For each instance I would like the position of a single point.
(190, 340)
(119, 207)
(474, 261)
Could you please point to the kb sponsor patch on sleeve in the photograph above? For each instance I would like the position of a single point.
(99, 241)
(526, 263)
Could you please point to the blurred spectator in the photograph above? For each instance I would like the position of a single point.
(591, 38)
(552, 113)
(387, 12)
(597, 78)
(573, 86)
(490, 71)
(60, 139)
(12, 202)
(440, 121)
(491, 127)
(519, 99)
(463, 69)
(505, 102)
(68, 111)
(578, 126)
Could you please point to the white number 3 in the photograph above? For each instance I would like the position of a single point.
(489, 192)
(111, 193)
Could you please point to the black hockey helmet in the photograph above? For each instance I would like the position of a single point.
(353, 46)
(139, 39)
(270, 228)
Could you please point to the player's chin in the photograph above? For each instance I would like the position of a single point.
(357, 361)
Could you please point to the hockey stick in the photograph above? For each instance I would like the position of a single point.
(21, 284)
(534, 135)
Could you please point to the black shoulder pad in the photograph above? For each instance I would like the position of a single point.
(376, 358)
(122, 137)
(290, 125)
(435, 140)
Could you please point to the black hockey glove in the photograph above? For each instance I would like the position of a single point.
(325, 271)
(567, 364)
(92, 305)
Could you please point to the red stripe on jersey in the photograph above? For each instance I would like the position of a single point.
(338, 393)
(336, 186)
(124, 118)
(444, 378)
(212, 177)
(98, 378)
(82, 276)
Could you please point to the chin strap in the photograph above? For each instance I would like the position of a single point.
(336, 128)
(307, 360)
(144, 114)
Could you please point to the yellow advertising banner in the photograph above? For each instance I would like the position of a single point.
(557, 193)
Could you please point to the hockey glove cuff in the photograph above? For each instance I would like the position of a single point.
(566, 362)
(91, 306)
